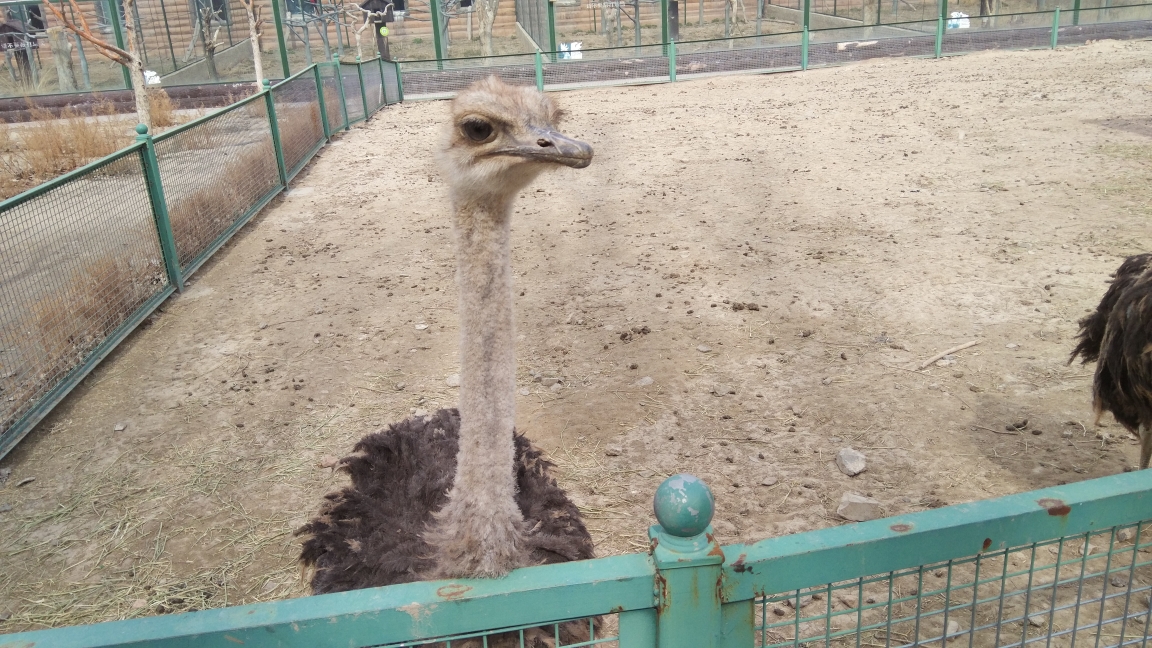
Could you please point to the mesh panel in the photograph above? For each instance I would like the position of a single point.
(351, 80)
(214, 174)
(756, 53)
(533, 17)
(1131, 23)
(298, 118)
(373, 86)
(391, 82)
(577, 633)
(608, 67)
(332, 101)
(422, 79)
(79, 260)
(1089, 589)
(1015, 31)
(836, 46)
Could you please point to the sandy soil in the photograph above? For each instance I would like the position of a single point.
(875, 214)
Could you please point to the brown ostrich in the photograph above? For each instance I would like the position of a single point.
(1118, 337)
(459, 494)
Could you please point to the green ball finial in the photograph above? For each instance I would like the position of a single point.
(141, 129)
(684, 505)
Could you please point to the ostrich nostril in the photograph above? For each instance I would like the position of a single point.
(543, 143)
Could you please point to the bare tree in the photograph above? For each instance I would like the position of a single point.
(128, 58)
(487, 21)
(62, 56)
(255, 33)
(207, 16)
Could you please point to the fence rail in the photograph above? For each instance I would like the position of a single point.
(1066, 563)
(92, 253)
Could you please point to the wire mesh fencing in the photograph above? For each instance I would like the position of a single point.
(90, 254)
(1087, 589)
(81, 257)
(353, 94)
(216, 172)
(297, 104)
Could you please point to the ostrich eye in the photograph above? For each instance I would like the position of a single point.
(477, 131)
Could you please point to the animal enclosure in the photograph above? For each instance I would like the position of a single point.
(874, 214)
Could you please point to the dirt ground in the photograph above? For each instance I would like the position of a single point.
(875, 214)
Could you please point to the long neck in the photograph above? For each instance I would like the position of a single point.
(487, 348)
(479, 532)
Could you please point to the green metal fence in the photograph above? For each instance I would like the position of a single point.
(940, 36)
(89, 255)
(1062, 566)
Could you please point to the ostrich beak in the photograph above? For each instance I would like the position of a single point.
(543, 144)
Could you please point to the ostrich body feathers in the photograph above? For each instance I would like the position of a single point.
(371, 533)
(1118, 336)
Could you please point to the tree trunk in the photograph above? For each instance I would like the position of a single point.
(487, 21)
(206, 15)
(62, 56)
(136, 68)
(254, 36)
(871, 11)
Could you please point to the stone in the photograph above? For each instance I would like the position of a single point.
(25, 481)
(850, 462)
(826, 381)
(858, 508)
(328, 461)
(770, 480)
(1119, 580)
(645, 381)
(549, 381)
(1067, 434)
(1011, 345)
(120, 427)
(804, 601)
(420, 413)
(453, 380)
(704, 348)
(524, 391)
(953, 629)
(613, 451)
(4, 508)
(421, 327)
(1123, 535)
(139, 604)
(5, 475)
(557, 387)
(722, 390)
(1036, 620)
(645, 473)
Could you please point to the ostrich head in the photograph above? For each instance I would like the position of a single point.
(501, 137)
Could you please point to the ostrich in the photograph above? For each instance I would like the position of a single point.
(1118, 336)
(460, 494)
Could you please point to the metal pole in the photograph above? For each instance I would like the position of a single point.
(168, 31)
(1055, 26)
(672, 61)
(664, 22)
(804, 49)
(159, 208)
(118, 34)
(343, 99)
(276, 145)
(279, 21)
(539, 71)
(807, 17)
(434, 9)
(551, 31)
(688, 563)
(363, 93)
(940, 27)
(399, 82)
(323, 107)
(1076, 13)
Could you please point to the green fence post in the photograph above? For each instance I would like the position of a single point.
(551, 31)
(343, 97)
(539, 71)
(399, 82)
(278, 20)
(383, 83)
(363, 93)
(1055, 26)
(663, 21)
(323, 106)
(688, 565)
(113, 8)
(940, 27)
(159, 208)
(807, 14)
(672, 61)
(434, 9)
(276, 144)
(1076, 13)
(804, 49)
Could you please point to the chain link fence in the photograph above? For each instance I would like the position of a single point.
(89, 255)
